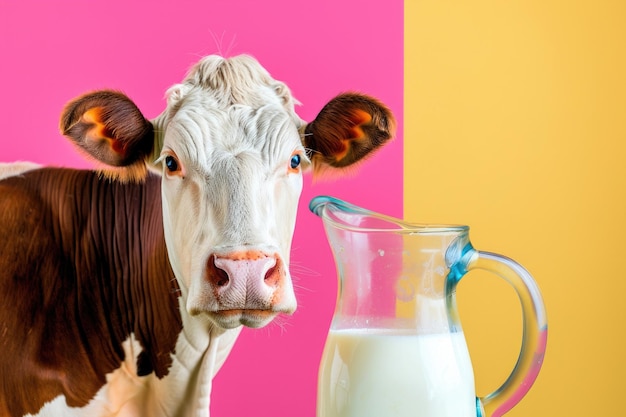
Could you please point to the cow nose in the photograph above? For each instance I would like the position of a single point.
(243, 269)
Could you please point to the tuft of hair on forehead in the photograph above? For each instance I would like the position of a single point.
(214, 72)
(239, 80)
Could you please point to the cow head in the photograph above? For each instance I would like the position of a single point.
(231, 151)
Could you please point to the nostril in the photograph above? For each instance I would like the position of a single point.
(272, 276)
(217, 275)
(222, 278)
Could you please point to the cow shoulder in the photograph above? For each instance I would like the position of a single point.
(34, 298)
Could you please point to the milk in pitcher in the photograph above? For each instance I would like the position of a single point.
(383, 373)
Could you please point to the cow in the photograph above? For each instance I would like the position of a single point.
(124, 288)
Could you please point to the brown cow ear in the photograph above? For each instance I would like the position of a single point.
(347, 130)
(109, 127)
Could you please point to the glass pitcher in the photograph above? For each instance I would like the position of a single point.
(395, 347)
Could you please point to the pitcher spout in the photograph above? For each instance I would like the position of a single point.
(338, 211)
(347, 216)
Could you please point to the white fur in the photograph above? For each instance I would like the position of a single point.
(12, 169)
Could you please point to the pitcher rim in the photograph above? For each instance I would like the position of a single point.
(320, 204)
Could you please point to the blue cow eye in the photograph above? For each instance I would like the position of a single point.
(295, 161)
(171, 163)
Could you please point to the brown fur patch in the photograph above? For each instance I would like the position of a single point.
(83, 265)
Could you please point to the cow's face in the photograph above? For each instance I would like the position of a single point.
(231, 151)
(232, 176)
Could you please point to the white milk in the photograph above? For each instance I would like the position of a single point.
(378, 373)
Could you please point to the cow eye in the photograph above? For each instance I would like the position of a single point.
(295, 161)
(171, 163)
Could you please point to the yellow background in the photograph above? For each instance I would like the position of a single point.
(515, 124)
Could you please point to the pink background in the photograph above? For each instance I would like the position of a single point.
(52, 51)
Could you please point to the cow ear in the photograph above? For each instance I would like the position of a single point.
(347, 130)
(109, 128)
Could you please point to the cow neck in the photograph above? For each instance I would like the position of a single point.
(122, 269)
(145, 291)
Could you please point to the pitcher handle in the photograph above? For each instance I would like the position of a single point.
(535, 332)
